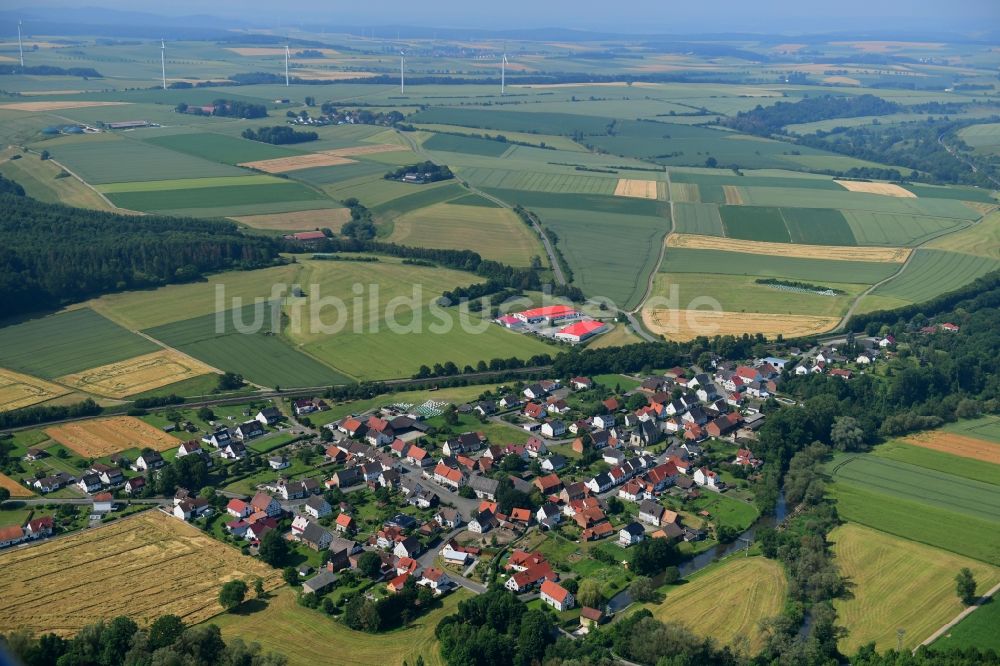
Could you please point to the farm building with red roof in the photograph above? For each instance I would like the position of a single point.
(548, 312)
(580, 331)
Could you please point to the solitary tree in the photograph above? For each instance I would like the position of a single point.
(965, 586)
(846, 434)
(589, 593)
(232, 594)
(369, 564)
(273, 549)
(258, 588)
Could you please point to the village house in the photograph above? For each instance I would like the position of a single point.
(548, 515)
(89, 483)
(319, 583)
(11, 535)
(554, 428)
(317, 507)
(631, 534)
(218, 438)
(192, 508)
(148, 460)
(344, 524)
(553, 463)
(234, 450)
(651, 512)
(703, 476)
(268, 416)
(135, 485)
(237, 508)
(40, 527)
(449, 518)
(266, 504)
(449, 477)
(345, 478)
(435, 579)
(557, 596)
(244, 432)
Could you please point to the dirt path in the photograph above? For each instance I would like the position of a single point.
(958, 618)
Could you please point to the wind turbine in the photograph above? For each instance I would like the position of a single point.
(503, 69)
(287, 55)
(402, 60)
(163, 63)
(20, 48)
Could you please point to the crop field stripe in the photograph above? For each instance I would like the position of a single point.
(910, 518)
(955, 493)
(698, 218)
(823, 252)
(67, 342)
(187, 183)
(817, 226)
(215, 197)
(221, 147)
(684, 260)
(934, 272)
(757, 223)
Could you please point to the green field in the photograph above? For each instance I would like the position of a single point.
(330, 175)
(515, 121)
(262, 357)
(223, 148)
(909, 501)
(720, 178)
(416, 197)
(754, 223)
(316, 634)
(145, 309)
(698, 218)
(985, 138)
(931, 273)
(985, 427)
(466, 144)
(124, 160)
(216, 197)
(817, 226)
(495, 233)
(188, 183)
(539, 181)
(970, 468)
(610, 254)
(977, 630)
(743, 294)
(816, 271)
(59, 344)
(898, 229)
(797, 197)
(895, 583)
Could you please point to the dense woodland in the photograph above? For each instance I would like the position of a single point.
(428, 171)
(51, 255)
(50, 70)
(278, 135)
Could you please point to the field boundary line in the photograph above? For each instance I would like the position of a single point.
(958, 618)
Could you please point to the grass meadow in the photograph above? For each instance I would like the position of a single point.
(317, 634)
(818, 271)
(216, 197)
(976, 470)
(222, 148)
(896, 583)
(977, 630)
(726, 602)
(742, 294)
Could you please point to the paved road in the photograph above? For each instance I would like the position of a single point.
(39, 501)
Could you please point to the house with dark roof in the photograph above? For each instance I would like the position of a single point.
(484, 487)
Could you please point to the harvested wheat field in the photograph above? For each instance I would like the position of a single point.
(895, 255)
(886, 189)
(145, 566)
(959, 445)
(137, 375)
(17, 390)
(369, 149)
(101, 437)
(727, 602)
(303, 220)
(685, 192)
(734, 194)
(683, 325)
(15, 488)
(637, 189)
(56, 106)
(297, 162)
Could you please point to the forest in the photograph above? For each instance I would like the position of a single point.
(52, 255)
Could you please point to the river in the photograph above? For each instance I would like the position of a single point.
(702, 560)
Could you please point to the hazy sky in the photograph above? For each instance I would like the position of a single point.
(666, 16)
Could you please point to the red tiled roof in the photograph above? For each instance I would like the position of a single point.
(548, 311)
(103, 497)
(11, 532)
(555, 591)
(581, 328)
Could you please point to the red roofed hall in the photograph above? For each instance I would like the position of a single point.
(550, 312)
(580, 331)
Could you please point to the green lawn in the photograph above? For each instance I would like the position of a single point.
(466, 144)
(56, 345)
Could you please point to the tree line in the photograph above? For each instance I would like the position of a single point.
(51, 70)
(119, 641)
(52, 255)
(278, 135)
